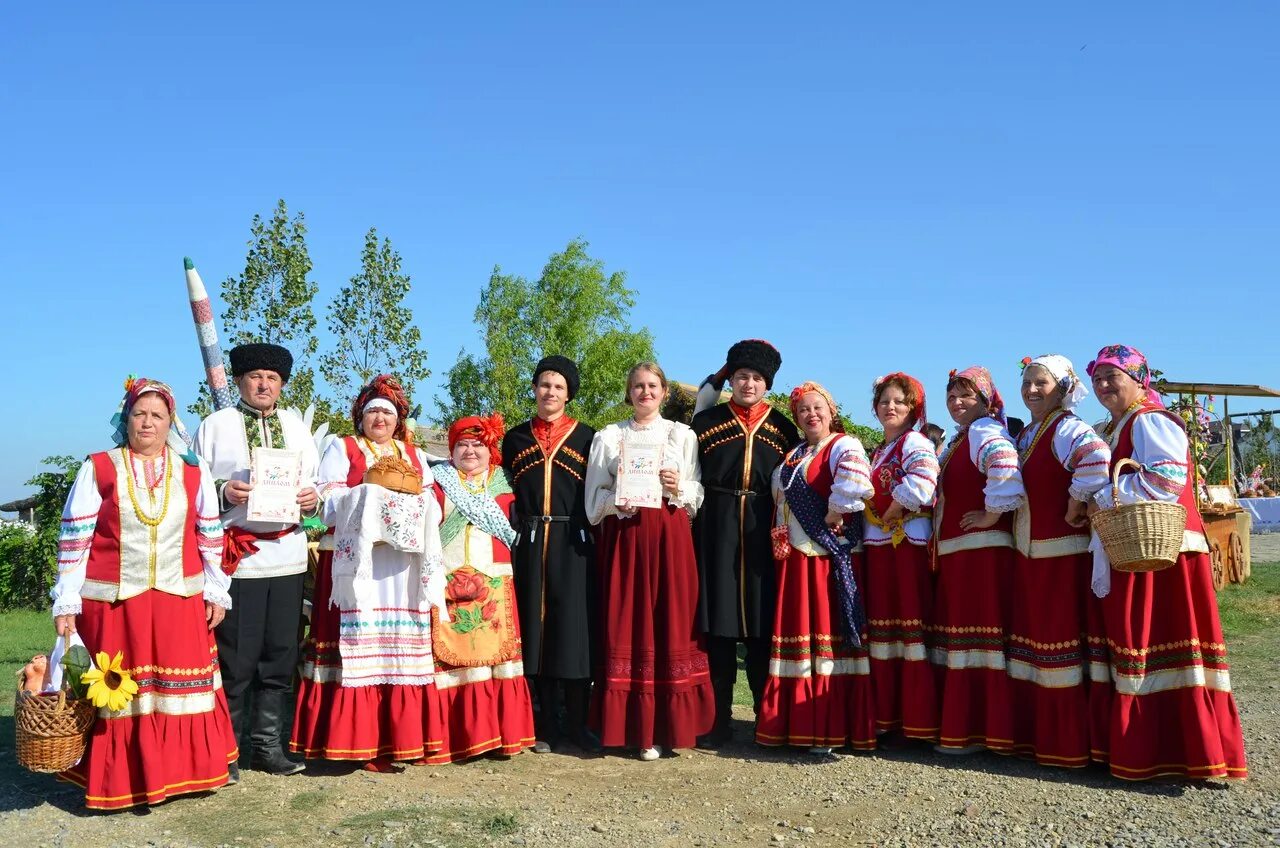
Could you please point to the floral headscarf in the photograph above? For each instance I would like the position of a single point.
(1064, 374)
(1129, 360)
(986, 387)
(488, 430)
(136, 387)
(810, 387)
(919, 419)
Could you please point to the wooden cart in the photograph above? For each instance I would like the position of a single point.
(1226, 525)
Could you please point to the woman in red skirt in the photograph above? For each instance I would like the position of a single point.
(1172, 712)
(140, 575)
(1059, 688)
(484, 699)
(654, 690)
(368, 692)
(899, 593)
(818, 693)
(979, 486)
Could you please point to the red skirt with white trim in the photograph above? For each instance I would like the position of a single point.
(1172, 712)
(655, 686)
(818, 693)
(175, 736)
(336, 722)
(1048, 662)
(899, 602)
(967, 645)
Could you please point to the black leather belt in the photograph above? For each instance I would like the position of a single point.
(546, 519)
(737, 493)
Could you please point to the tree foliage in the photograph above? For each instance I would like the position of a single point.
(573, 309)
(29, 560)
(271, 301)
(372, 329)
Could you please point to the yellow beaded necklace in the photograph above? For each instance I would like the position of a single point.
(1110, 426)
(152, 523)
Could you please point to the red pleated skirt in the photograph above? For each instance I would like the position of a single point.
(654, 687)
(1048, 663)
(484, 709)
(1172, 712)
(967, 646)
(818, 693)
(333, 722)
(899, 602)
(175, 736)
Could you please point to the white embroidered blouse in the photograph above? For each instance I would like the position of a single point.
(680, 451)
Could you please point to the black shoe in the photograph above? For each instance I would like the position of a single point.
(233, 774)
(273, 761)
(586, 741)
(716, 739)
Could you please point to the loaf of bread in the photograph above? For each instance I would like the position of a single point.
(394, 473)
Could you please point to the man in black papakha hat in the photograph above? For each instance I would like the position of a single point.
(740, 443)
(267, 561)
(553, 559)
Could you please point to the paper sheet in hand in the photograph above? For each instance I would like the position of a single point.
(638, 481)
(276, 477)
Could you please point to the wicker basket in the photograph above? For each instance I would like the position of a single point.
(1143, 536)
(51, 730)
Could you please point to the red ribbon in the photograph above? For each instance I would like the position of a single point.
(238, 543)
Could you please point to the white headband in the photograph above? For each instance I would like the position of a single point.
(1059, 367)
(380, 403)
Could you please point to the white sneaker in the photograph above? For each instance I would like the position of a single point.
(820, 751)
(650, 754)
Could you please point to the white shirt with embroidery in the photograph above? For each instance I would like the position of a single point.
(915, 491)
(680, 451)
(1079, 449)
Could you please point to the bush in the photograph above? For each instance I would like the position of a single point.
(29, 559)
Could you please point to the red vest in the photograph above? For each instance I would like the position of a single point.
(961, 485)
(1124, 450)
(1048, 485)
(103, 566)
(884, 477)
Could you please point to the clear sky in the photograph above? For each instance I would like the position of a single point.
(901, 186)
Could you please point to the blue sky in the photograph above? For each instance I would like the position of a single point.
(916, 187)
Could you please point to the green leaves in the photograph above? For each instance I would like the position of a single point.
(465, 619)
(372, 329)
(75, 662)
(574, 309)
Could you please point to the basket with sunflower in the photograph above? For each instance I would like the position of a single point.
(52, 728)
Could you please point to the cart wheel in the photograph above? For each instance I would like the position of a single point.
(1240, 573)
(1219, 569)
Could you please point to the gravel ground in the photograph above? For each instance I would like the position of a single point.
(743, 795)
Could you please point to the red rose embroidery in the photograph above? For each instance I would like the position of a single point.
(488, 611)
(466, 587)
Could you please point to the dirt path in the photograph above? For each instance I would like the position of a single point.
(745, 795)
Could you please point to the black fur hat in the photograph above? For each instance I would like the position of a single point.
(562, 365)
(756, 354)
(260, 356)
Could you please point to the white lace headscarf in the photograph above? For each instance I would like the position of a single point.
(1073, 388)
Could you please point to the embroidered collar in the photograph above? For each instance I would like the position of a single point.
(250, 412)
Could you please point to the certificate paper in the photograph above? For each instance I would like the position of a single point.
(276, 476)
(638, 481)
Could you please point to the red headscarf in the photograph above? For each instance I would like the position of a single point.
(918, 418)
(985, 386)
(388, 388)
(488, 430)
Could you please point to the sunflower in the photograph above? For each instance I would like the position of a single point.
(110, 685)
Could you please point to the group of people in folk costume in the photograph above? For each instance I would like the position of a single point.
(955, 597)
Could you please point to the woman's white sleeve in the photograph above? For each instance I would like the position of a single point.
(217, 583)
(602, 465)
(79, 520)
(1160, 448)
(851, 485)
(920, 473)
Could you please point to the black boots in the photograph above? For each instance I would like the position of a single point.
(577, 693)
(264, 735)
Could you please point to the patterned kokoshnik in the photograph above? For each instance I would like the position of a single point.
(810, 509)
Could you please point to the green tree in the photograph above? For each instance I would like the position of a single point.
(373, 330)
(271, 301)
(29, 560)
(574, 309)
